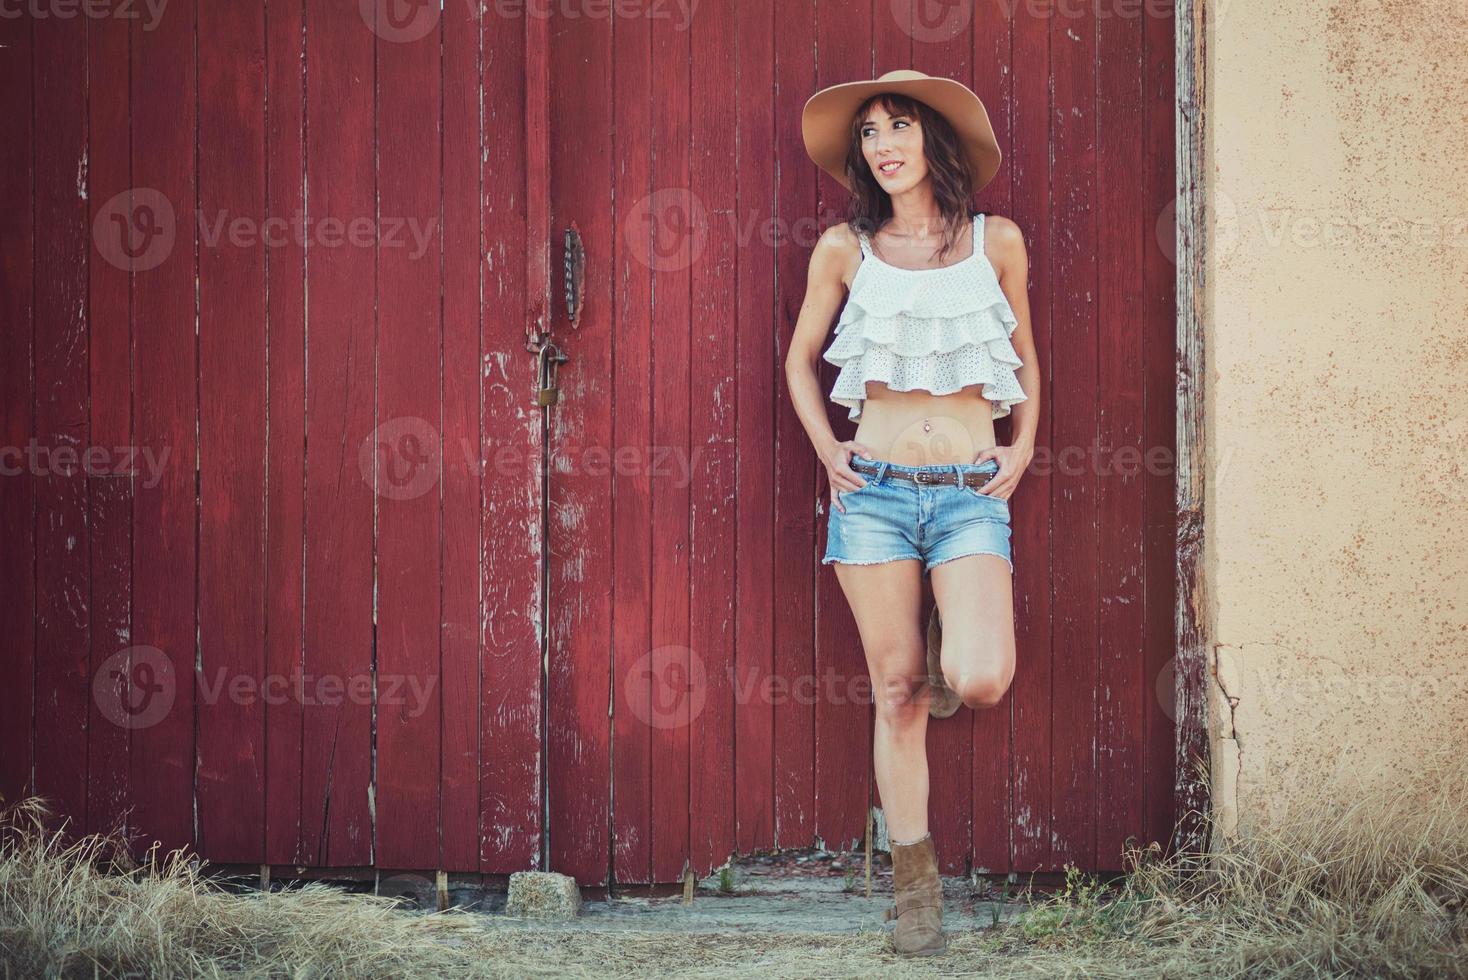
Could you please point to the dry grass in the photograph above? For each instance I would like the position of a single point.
(1369, 887)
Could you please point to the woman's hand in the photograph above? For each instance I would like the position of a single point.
(837, 457)
(1013, 461)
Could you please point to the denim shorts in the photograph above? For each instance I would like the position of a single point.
(891, 518)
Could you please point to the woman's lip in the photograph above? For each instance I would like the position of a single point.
(882, 167)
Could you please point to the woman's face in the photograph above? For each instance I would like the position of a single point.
(893, 147)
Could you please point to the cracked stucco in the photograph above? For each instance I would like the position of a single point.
(1336, 396)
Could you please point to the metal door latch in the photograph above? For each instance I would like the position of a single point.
(547, 359)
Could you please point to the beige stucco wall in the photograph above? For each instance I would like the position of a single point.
(1336, 552)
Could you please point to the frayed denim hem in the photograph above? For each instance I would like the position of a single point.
(980, 551)
(874, 561)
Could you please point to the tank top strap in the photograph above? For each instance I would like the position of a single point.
(866, 243)
(978, 223)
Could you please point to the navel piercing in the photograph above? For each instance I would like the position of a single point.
(927, 426)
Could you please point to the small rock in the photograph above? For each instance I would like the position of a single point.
(543, 895)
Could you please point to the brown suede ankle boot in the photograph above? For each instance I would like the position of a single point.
(943, 700)
(918, 894)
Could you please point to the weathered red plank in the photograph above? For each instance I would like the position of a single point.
(754, 648)
(165, 404)
(285, 544)
(231, 711)
(110, 491)
(1159, 430)
(1076, 405)
(17, 404)
(409, 444)
(515, 284)
(992, 809)
(712, 456)
(62, 568)
(843, 723)
(796, 486)
(632, 784)
(1027, 153)
(459, 633)
(1121, 223)
(672, 404)
(336, 814)
(579, 548)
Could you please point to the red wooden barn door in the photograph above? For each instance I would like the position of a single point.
(267, 276)
(704, 682)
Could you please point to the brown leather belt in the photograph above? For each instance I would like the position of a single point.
(962, 478)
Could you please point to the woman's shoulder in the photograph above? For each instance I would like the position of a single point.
(840, 239)
(1001, 232)
(838, 253)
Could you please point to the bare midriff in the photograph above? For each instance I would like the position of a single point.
(919, 428)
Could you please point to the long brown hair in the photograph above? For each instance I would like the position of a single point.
(953, 179)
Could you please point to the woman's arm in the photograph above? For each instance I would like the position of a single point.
(824, 293)
(1006, 249)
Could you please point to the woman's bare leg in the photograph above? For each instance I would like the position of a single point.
(885, 601)
(975, 599)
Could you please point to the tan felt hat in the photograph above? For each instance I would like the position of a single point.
(826, 122)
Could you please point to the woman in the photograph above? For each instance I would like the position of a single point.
(934, 343)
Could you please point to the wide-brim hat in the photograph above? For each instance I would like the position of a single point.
(826, 122)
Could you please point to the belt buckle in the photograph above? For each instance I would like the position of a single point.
(923, 476)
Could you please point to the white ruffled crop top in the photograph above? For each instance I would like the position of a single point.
(933, 329)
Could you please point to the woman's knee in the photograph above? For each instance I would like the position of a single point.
(898, 695)
(979, 687)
